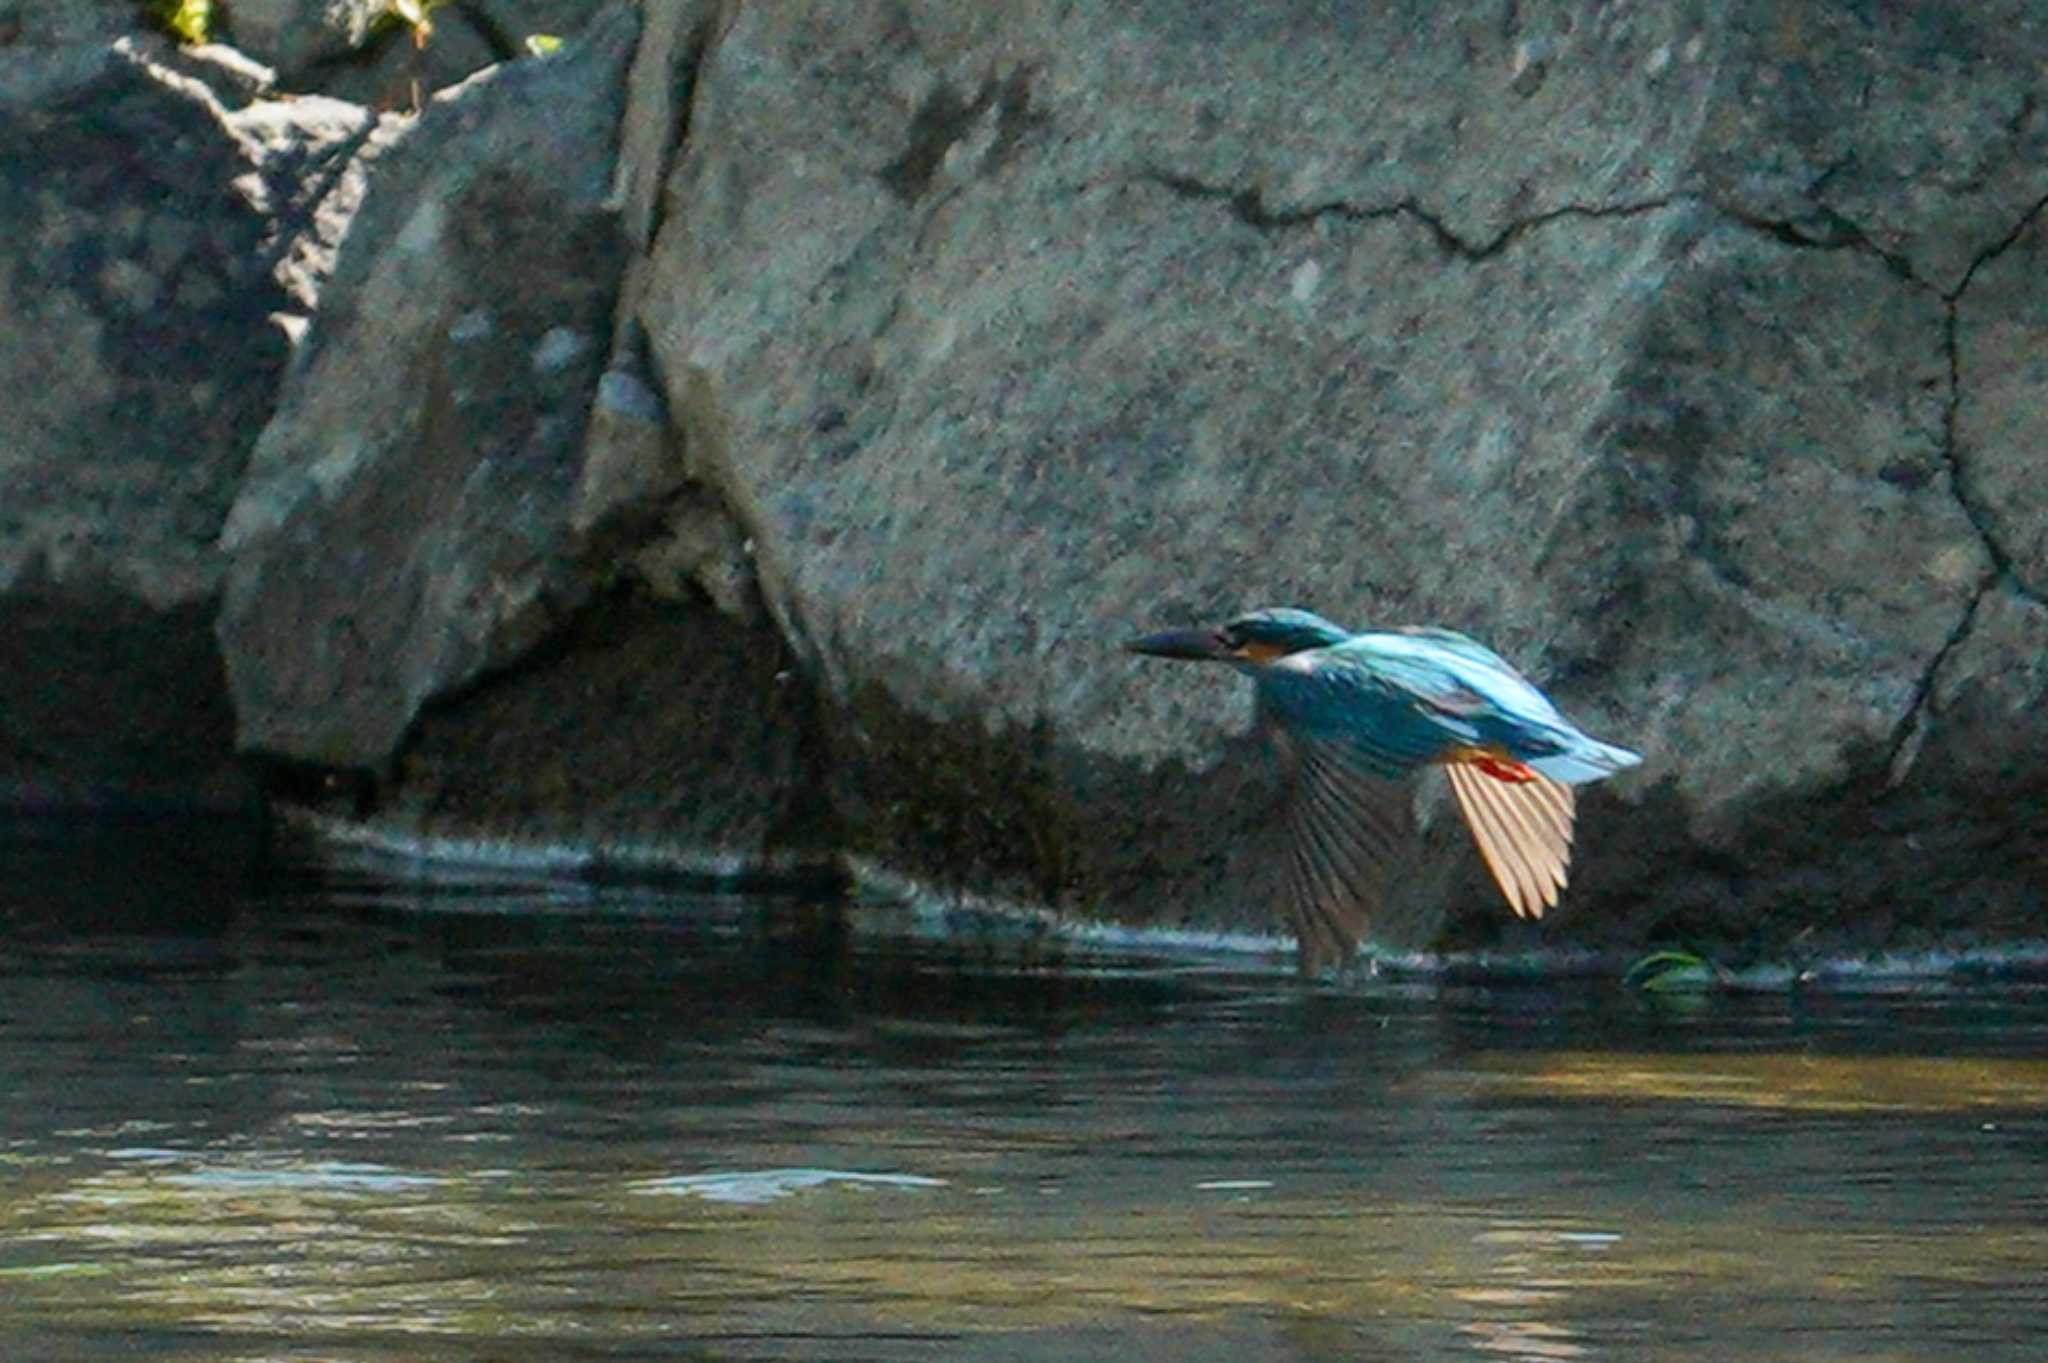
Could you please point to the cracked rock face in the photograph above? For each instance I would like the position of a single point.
(1797, 556)
(1916, 131)
(2001, 425)
(1005, 331)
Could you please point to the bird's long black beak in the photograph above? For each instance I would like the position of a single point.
(1196, 645)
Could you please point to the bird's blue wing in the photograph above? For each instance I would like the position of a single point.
(1457, 677)
(1335, 698)
(1432, 661)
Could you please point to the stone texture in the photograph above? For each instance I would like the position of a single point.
(659, 86)
(29, 24)
(641, 489)
(512, 22)
(2001, 418)
(139, 361)
(629, 464)
(135, 347)
(314, 157)
(1786, 553)
(1609, 336)
(293, 35)
(404, 526)
(1988, 706)
(1914, 130)
(392, 70)
(717, 779)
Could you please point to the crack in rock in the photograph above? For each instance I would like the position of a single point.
(1973, 507)
(1910, 734)
(1824, 229)
(699, 47)
(1249, 207)
(1999, 247)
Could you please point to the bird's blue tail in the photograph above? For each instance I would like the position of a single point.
(1586, 759)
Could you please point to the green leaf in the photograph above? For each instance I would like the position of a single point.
(189, 21)
(1671, 972)
(543, 44)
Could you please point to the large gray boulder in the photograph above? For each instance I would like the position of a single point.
(831, 388)
(1635, 341)
(144, 230)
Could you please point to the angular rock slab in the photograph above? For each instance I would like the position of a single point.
(404, 528)
(1008, 331)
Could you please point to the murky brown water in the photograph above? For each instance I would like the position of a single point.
(353, 1119)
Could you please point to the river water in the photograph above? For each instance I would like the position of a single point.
(255, 1111)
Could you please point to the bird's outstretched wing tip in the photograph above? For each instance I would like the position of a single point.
(1344, 827)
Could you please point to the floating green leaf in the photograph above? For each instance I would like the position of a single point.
(1671, 972)
(543, 44)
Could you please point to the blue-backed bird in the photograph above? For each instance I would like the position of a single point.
(1354, 716)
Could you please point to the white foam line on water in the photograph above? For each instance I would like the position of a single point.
(938, 914)
(753, 1187)
(1906, 967)
(437, 852)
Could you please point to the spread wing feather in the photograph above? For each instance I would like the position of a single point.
(1344, 826)
(1523, 830)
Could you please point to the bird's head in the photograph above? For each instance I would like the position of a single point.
(1258, 636)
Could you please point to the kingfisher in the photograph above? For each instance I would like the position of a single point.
(1356, 716)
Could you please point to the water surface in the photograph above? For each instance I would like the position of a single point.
(258, 1113)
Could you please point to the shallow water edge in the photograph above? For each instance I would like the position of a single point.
(884, 902)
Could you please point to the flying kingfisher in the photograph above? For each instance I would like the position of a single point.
(1355, 715)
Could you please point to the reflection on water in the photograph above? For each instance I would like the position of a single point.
(1791, 1080)
(255, 1114)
